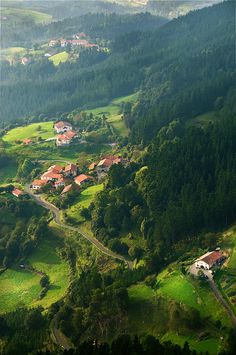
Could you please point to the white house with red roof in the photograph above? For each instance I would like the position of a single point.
(62, 127)
(209, 259)
(38, 184)
(82, 179)
(105, 164)
(66, 189)
(17, 192)
(51, 176)
(60, 182)
(65, 138)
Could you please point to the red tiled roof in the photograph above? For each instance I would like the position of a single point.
(51, 175)
(27, 141)
(17, 192)
(61, 124)
(212, 258)
(81, 178)
(38, 182)
(70, 134)
(55, 169)
(105, 162)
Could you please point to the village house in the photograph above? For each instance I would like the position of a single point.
(38, 184)
(70, 170)
(62, 127)
(66, 189)
(208, 260)
(66, 138)
(60, 182)
(82, 179)
(105, 164)
(17, 192)
(57, 169)
(50, 176)
(53, 43)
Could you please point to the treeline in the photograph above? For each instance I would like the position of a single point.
(184, 185)
(179, 77)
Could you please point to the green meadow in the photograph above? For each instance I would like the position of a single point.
(15, 15)
(83, 200)
(34, 130)
(112, 112)
(8, 173)
(19, 287)
(59, 58)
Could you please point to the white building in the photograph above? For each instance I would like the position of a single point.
(209, 259)
(62, 127)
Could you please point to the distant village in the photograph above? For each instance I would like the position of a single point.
(79, 40)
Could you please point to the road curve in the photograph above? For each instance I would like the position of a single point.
(56, 215)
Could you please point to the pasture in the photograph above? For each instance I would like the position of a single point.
(19, 287)
(34, 130)
(16, 15)
(8, 172)
(83, 200)
(113, 113)
(59, 58)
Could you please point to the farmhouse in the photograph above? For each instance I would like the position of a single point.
(50, 176)
(57, 169)
(25, 60)
(38, 184)
(62, 127)
(53, 43)
(17, 192)
(209, 259)
(70, 170)
(105, 164)
(66, 138)
(82, 179)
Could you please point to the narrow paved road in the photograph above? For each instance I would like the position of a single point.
(56, 214)
(220, 298)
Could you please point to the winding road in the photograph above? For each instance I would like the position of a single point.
(56, 215)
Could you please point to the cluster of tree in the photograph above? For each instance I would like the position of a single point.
(184, 184)
(171, 88)
(95, 305)
(23, 331)
(20, 229)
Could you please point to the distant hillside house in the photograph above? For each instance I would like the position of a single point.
(27, 141)
(209, 259)
(53, 43)
(17, 192)
(77, 42)
(66, 138)
(62, 127)
(25, 60)
(70, 170)
(82, 179)
(38, 184)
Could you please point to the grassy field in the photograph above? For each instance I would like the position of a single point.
(181, 288)
(84, 200)
(34, 130)
(15, 15)
(19, 287)
(8, 173)
(150, 312)
(112, 112)
(59, 58)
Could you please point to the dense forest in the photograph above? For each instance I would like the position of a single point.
(183, 185)
(138, 60)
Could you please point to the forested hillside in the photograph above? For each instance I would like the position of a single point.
(168, 65)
